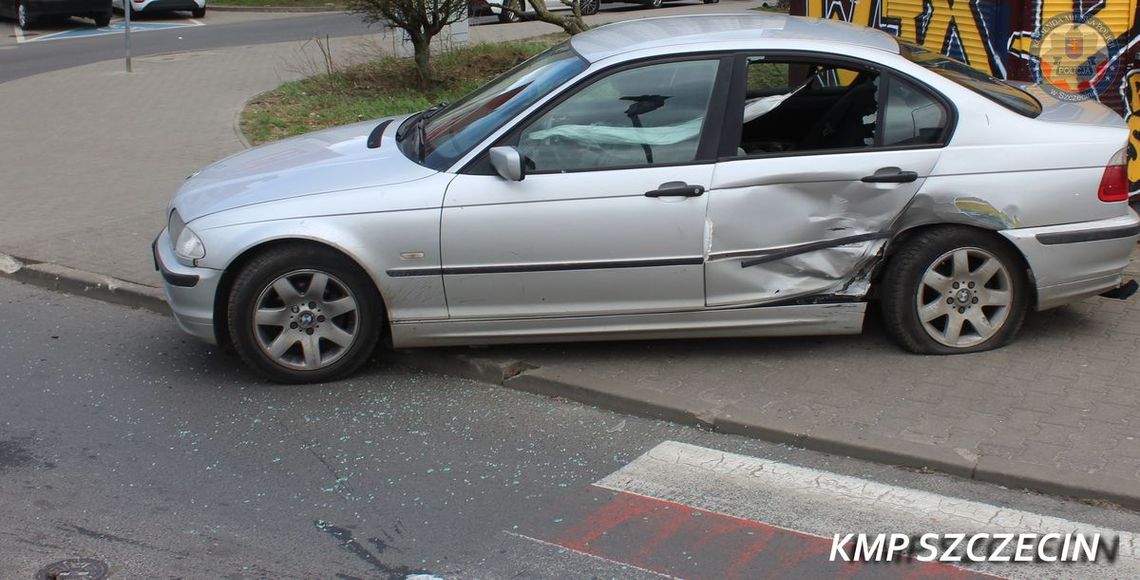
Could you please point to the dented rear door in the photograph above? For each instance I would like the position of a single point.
(788, 227)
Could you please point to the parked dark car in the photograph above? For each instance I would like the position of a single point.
(27, 12)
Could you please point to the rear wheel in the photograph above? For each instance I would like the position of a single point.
(589, 7)
(102, 20)
(954, 290)
(23, 17)
(304, 314)
(198, 12)
(654, 3)
(711, 1)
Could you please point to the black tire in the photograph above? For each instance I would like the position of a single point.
(654, 3)
(506, 16)
(24, 18)
(253, 287)
(589, 7)
(711, 1)
(976, 311)
(102, 20)
(198, 12)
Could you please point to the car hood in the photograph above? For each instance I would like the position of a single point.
(320, 162)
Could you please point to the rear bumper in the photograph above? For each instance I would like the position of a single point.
(189, 291)
(1074, 261)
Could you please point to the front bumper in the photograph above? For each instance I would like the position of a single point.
(189, 291)
(1074, 261)
(167, 5)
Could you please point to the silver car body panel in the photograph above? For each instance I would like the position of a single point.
(820, 319)
(522, 248)
(308, 165)
(1078, 260)
(672, 34)
(784, 227)
(462, 258)
(193, 307)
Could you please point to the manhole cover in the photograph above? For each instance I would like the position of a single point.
(76, 569)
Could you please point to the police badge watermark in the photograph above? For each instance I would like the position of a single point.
(1077, 59)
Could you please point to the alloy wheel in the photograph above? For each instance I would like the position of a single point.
(964, 297)
(306, 320)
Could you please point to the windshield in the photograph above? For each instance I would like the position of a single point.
(457, 128)
(992, 88)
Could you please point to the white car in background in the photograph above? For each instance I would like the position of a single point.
(588, 7)
(197, 8)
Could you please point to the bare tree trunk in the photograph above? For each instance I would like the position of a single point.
(421, 46)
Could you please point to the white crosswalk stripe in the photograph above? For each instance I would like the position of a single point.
(823, 503)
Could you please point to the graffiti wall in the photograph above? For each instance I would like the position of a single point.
(1003, 38)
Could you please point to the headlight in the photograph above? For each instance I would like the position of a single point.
(174, 224)
(187, 245)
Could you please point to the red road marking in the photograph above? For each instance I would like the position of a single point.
(679, 540)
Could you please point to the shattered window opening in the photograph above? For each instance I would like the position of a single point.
(796, 105)
(649, 115)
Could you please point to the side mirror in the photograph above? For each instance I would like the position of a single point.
(508, 163)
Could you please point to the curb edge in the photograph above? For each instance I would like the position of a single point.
(80, 283)
(514, 375)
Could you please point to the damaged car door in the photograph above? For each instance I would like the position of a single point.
(819, 158)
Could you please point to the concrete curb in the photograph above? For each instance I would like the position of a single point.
(80, 283)
(326, 8)
(237, 122)
(520, 375)
(665, 406)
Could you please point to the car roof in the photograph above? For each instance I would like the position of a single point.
(669, 31)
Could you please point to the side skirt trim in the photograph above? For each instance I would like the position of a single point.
(792, 320)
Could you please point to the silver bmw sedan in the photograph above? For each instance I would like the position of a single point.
(695, 176)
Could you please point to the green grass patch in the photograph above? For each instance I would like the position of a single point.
(386, 86)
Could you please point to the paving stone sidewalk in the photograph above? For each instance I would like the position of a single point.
(1057, 411)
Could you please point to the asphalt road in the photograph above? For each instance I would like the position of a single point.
(30, 58)
(123, 441)
(38, 57)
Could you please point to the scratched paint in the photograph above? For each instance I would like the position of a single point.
(983, 211)
(995, 36)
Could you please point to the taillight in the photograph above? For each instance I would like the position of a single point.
(1114, 180)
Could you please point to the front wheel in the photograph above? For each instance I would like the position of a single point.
(654, 3)
(711, 1)
(954, 290)
(304, 314)
(102, 20)
(198, 12)
(589, 7)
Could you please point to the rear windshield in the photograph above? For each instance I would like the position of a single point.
(993, 89)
